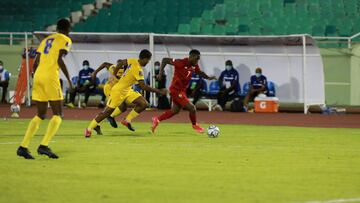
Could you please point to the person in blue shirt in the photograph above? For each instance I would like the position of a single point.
(195, 86)
(84, 85)
(4, 81)
(229, 85)
(258, 85)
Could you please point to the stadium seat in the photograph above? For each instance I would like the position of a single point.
(195, 25)
(214, 88)
(220, 17)
(245, 89)
(184, 29)
(219, 30)
(207, 29)
(271, 89)
(204, 90)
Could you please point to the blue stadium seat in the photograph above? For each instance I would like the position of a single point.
(205, 87)
(214, 88)
(246, 88)
(239, 92)
(74, 80)
(271, 89)
(104, 81)
(97, 82)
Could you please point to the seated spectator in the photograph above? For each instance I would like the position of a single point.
(163, 101)
(258, 85)
(4, 81)
(195, 86)
(229, 85)
(84, 85)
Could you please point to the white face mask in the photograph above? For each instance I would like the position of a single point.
(228, 67)
(1, 67)
(157, 67)
(85, 67)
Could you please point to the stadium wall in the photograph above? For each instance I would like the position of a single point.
(341, 68)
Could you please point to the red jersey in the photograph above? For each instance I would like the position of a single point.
(182, 74)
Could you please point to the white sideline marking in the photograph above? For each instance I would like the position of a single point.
(9, 142)
(14, 142)
(356, 199)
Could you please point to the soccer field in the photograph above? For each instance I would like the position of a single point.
(244, 164)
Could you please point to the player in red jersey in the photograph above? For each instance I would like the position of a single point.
(183, 71)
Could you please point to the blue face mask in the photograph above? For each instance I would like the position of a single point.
(85, 67)
(228, 67)
(258, 75)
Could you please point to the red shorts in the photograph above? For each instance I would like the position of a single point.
(179, 98)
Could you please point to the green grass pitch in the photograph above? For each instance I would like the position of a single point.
(245, 164)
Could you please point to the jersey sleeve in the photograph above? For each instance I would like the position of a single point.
(138, 73)
(252, 80)
(66, 44)
(221, 77)
(265, 81)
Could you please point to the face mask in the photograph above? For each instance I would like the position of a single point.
(258, 75)
(228, 67)
(1, 67)
(157, 68)
(85, 67)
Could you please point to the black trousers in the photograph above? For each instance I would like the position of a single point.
(224, 97)
(82, 89)
(197, 94)
(4, 85)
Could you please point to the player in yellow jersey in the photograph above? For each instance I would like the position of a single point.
(122, 91)
(47, 89)
(112, 80)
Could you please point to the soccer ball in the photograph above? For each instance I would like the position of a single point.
(15, 108)
(213, 131)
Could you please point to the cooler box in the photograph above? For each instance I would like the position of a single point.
(266, 104)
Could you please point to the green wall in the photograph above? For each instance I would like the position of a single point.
(341, 68)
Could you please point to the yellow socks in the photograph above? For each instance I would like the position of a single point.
(116, 112)
(31, 130)
(133, 114)
(51, 130)
(92, 124)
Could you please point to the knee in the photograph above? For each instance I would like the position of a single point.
(175, 111)
(123, 108)
(192, 108)
(144, 104)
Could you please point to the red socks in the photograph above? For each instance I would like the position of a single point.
(192, 117)
(166, 115)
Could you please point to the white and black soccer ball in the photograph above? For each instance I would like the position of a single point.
(15, 108)
(213, 131)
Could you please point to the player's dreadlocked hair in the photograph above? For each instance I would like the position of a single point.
(63, 24)
(194, 52)
(145, 54)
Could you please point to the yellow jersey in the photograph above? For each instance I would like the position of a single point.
(131, 76)
(118, 75)
(49, 48)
